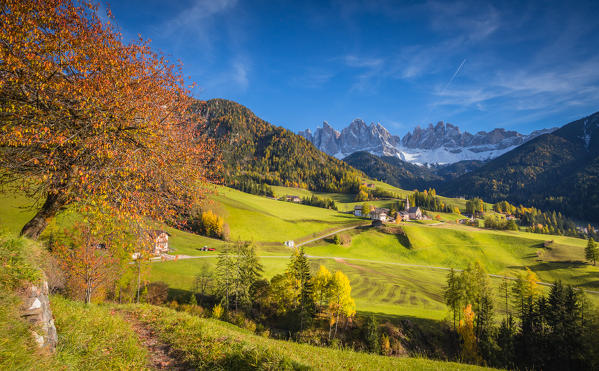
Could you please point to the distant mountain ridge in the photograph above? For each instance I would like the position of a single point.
(556, 171)
(442, 143)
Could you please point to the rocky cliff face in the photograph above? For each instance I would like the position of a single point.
(439, 144)
(36, 309)
(356, 137)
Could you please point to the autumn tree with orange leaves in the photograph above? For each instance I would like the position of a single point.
(91, 121)
(91, 264)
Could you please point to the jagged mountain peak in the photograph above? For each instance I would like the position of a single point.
(440, 143)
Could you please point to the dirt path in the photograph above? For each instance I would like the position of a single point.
(158, 352)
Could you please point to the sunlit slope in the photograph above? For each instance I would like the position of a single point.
(208, 342)
(255, 218)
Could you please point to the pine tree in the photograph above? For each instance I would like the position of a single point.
(505, 341)
(299, 268)
(248, 270)
(503, 291)
(591, 252)
(372, 335)
(225, 273)
(453, 294)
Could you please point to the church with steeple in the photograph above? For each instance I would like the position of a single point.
(414, 212)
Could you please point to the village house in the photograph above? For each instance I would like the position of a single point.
(358, 210)
(403, 216)
(160, 241)
(379, 214)
(293, 198)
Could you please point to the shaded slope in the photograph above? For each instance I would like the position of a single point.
(557, 171)
(403, 174)
(392, 170)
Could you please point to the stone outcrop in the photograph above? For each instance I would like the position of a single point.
(36, 310)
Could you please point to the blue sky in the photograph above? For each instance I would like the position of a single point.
(479, 65)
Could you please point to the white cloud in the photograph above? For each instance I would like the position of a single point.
(235, 77)
(198, 13)
(527, 89)
(240, 74)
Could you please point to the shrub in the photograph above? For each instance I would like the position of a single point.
(196, 310)
(385, 345)
(345, 239)
(157, 293)
(217, 311)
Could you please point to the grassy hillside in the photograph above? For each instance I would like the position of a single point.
(261, 219)
(388, 275)
(111, 336)
(210, 344)
(88, 335)
(381, 280)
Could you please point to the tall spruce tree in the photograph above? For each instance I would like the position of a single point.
(591, 252)
(372, 336)
(453, 295)
(299, 268)
(224, 276)
(248, 270)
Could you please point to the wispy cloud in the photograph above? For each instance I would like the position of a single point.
(195, 17)
(528, 89)
(202, 27)
(240, 74)
(473, 19)
(233, 78)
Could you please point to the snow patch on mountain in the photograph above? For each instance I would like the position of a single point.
(443, 143)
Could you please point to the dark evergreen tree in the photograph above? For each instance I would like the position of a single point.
(299, 268)
(591, 252)
(505, 342)
(372, 334)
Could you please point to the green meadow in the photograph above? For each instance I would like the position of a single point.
(390, 274)
(254, 218)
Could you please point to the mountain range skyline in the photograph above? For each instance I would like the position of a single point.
(442, 143)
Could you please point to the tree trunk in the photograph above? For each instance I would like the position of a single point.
(138, 277)
(336, 323)
(54, 202)
(88, 295)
